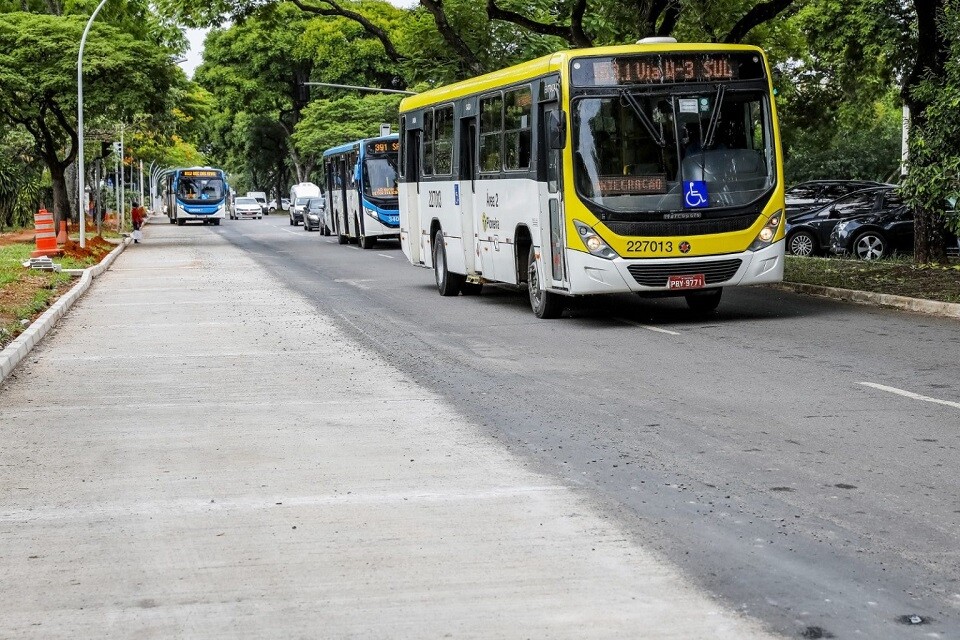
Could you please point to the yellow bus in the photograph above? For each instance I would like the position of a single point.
(652, 168)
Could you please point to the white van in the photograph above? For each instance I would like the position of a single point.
(299, 194)
(261, 198)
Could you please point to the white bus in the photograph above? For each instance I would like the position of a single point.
(650, 168)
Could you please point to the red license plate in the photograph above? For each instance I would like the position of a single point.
(693, 281)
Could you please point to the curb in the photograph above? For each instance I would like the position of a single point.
(918, 305)
(17, 350)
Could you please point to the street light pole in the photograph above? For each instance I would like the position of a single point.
(83, 194)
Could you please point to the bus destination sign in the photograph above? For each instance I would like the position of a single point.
(200, 173)
(384, 146)
(667, 68)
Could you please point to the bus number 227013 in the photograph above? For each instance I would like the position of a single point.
(649, 246)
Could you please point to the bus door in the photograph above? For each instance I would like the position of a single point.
(465, 188)
(410, 221)
(343, 227)
(552, 227)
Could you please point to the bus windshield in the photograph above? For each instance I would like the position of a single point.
(200, 189)
(634, 151)
(380, 176)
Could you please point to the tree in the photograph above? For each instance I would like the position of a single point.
(328, 123)
(38, 75)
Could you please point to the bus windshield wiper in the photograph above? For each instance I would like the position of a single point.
(714, 116)
(644, 118)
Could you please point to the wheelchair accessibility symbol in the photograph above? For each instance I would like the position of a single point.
(695, 194)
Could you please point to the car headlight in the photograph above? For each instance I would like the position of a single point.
(593, 242)
(768, 232)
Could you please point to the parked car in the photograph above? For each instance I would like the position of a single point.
(272, 205)
(313, 215)
(876, 234)
(808, 234)
(813, 194)
(246, 208)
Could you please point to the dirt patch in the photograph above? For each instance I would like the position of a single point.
(96, 248)
(13, 237)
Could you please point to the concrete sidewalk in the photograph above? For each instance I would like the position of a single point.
(196, 452)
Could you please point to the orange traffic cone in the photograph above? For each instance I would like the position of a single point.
(45, 237)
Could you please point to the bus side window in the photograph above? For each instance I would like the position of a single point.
(516, 125)
(491, 133)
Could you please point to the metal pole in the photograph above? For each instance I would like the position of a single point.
(141, 183)
(82, 198)
(123, 178)
(116, 187)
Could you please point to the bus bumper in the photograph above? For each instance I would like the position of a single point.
(593, 275)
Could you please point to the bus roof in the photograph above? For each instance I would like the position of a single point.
(356, 144)
(553, 62)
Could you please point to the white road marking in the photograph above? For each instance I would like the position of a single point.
(383, 255)
(910, 394)
(649, 328)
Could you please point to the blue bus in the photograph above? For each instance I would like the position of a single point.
(195, 193)
(361, 185)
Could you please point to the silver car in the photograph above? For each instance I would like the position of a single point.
(246, 208)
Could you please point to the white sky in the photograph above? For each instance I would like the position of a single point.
(194, 56)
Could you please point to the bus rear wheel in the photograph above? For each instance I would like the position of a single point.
(705, 301)
(448, 284)
(181, 222)
(545, 304)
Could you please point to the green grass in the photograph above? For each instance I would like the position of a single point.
(34, 290)
(895, 276)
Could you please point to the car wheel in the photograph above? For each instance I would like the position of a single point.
(545, 304)
(292, 223)
(704, 301)
(448, 284)
(802, 243)
(870, 245)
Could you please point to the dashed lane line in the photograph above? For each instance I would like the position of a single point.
(910, 394)
(383, 255)
(649, 327)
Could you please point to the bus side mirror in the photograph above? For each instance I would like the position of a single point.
(556, 130)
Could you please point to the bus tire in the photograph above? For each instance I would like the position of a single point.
(216, 222)
(173, 220)
(545, 304)
(367, 242)
(704, 302)
(342, 239)
(181, 222)
(448, 284)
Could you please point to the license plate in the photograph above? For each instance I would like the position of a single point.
(693, 281)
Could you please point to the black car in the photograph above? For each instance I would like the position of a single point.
(814, 194)
(877, 234)
(313, 214)
(808, 234)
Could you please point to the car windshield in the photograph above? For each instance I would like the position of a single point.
(380, 176)
(200, 189)
(634, 152)
(245, 201)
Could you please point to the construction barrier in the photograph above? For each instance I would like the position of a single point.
(46, 237)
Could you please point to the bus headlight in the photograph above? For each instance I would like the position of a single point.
(593, 242)
(768, 233)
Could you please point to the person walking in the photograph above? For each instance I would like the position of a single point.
(137, 214)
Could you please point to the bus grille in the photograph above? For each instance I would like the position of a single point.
(655, 275)
(682, 227)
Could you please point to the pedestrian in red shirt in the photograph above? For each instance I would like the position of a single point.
(137, 214)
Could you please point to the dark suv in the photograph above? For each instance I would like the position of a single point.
(813, 194)
(808, 233)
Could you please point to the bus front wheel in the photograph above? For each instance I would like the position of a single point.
(545, 304)
(448, 284)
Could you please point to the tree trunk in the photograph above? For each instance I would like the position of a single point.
(61, 203)
(929, 241)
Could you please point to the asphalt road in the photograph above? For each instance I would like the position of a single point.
(796, 457)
